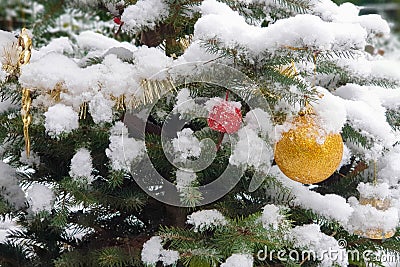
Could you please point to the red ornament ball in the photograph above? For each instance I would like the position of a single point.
(117, 20)
(225, 118)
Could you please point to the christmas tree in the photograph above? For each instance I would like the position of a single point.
(198, 133)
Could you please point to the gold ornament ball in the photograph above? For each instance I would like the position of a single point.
(306, 153)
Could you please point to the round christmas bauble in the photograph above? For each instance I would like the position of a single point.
(225, 118)
(117, 20)
(307, 153)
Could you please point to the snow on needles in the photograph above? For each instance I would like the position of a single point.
(81, 165)
(123, 151)
(310, 237)
(60, 119)
(206, 220)
(40, 197)
(272, 217)
(153, 252)
(144, 14)
(239, 260)
(300, 31)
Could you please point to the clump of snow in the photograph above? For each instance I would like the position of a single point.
(149, 61)
(185, 179)
(100, 109)
(379, 191)
(310, 237)
(144, 14)
(331, 111)
(117, 77)
(272, 217)
(367, 217)
(153, 252)
(40, 197)
(251, 150)
(186, 145)
(185, 105)
(239, 260)
(33, 160)
(81, 165)
(9, 187)
(390, 171)
(123, 151)
(346, 156)
(206, 220)
(60, 119)
(260, 121)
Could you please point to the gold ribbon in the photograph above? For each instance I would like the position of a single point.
(25, 48)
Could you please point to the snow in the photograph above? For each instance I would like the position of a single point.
(390, 169)
(251, 150)
(206, 220)
(95, 41)
(239, 260)
(232, 30)
(33, 160)
(149, 61)
(366, 113)
(7, 225)
(186, 145)
(122, 150)
(40, 197)
(259, 120)
(348, 13)
(331, 206)
(9, 187)
(81, 165)
(187, 105)
(310, 236)
(366, 217)
(117, 77)
(185, 179)
(59, 45)
(153, 252)
(6, 40)
(144, 14)
(101, 109)
(272, 217)
(60, 119)
(331, 111)
(378, 191)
